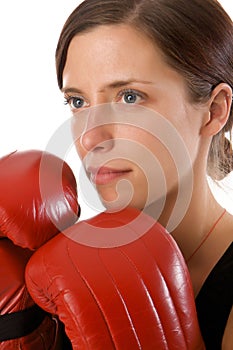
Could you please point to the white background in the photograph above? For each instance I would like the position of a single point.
(31, 106)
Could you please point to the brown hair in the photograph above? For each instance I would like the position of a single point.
(196, 37)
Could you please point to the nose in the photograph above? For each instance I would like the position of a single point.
(98, 132)
(97, 139)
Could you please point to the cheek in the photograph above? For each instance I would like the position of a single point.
(80, 150)
(180, 137)
(168, 162)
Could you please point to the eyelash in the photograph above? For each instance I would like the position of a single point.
(69, 99)
(132, 92)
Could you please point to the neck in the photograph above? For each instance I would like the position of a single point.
(190, 226)
(197, 222)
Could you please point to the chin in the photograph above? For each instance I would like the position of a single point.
(117, 203)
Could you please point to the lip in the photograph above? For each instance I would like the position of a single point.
(105, 175)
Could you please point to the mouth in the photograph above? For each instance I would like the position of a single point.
(105, 175)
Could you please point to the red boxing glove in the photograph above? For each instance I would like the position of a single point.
(30, 328)
(132, 296)
(38, 197)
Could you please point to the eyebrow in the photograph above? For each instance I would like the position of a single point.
(113, 85)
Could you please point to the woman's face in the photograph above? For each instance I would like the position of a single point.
(131, 115)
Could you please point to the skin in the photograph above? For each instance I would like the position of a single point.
(108, 67)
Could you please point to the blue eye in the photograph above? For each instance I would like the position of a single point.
(130, 96)
(74, 102)
(77, 102)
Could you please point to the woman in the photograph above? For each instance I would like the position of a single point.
(172, 60)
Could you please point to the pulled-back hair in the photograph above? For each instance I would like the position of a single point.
(195, 36)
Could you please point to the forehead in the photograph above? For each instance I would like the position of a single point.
(113, 52)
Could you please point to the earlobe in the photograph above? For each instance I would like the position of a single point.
(219, 110)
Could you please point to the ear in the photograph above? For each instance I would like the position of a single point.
(219, 106)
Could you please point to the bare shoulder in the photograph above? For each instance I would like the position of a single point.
(224, 236)
(229, 224)
(228, 334)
